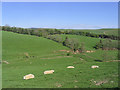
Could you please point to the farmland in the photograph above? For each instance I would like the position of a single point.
(106, 31)
(31, 54)
(59, 45)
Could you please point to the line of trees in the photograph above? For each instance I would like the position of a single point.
(71, 43)
(29, 31)
(88, 34)
(45, 31)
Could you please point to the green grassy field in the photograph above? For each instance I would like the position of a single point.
(103, 31)
(44, 55)
(100, 31)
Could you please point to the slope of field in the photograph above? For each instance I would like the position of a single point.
(30, 54)
(89, 42)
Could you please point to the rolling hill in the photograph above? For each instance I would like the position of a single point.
(30, 54)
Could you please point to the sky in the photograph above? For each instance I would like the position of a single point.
(60, 0)
(62, 15)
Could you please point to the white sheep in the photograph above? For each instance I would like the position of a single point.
(70, 67)
(48, 72)
(29, 76)
(94, 66)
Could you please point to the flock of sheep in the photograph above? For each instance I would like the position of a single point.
(30, 76)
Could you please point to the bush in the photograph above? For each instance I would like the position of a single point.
(107, 45)
(68, 54)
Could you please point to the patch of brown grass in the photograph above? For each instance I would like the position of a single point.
(26, 55)
(55, 57)
(58, 85)
(113, 61)
(98, 82)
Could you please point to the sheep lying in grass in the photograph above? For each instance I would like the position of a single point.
(5, 62)
(94, 66)
(70, 67)
(29, 76)
(49, 72)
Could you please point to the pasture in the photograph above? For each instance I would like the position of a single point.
(28, 54)
(103, 31)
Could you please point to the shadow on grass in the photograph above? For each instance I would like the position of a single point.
(98, 60)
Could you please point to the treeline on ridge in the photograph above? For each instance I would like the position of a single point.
(53, 34)
(47, 31)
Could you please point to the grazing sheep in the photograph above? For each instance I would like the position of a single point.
(70, 67)
(29, 76)
(49, 72)
(94, 66)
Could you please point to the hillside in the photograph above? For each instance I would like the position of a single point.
(30, 54)
(104, 31)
